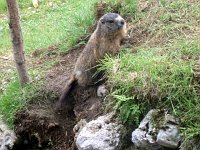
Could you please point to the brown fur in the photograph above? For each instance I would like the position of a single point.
(99, 44)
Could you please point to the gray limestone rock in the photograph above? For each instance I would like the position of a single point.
(157, 130)
(100, 134)
(169, 136)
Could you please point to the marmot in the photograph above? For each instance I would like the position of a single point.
(106, 39)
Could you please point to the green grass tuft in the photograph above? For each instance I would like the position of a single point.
(186, 48)
(124, 7)
(14, 98)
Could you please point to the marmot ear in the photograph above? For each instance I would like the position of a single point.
(102, 21)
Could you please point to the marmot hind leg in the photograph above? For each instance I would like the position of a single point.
(83, 78)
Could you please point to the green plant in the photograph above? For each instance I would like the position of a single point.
(129, 110)
(14, 98)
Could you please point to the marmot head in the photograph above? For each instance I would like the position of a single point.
(112, 23)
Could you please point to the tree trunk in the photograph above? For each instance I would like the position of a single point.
(17, 40)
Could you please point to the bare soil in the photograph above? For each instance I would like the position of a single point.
(39, 126)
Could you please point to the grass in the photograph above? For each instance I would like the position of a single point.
(2, 6)
(14, 98)
(159, 71)
(63, 22)
(124, 7)
(22, 4)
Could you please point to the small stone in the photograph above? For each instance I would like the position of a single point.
(66, 133)
(76, 128)
(8, 139)
(171, 119)
(52, 125)
(141, 140)
(101, 91)
(35, 3)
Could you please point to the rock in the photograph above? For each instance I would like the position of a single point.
(156, 131)
(79, 126)
(169, 137)
(100, 134)
(145, 135)
(35, 3)
(140, 140)
(101, 91)
(7, 137)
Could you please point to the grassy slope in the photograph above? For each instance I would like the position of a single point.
(51, 24)
(63, 22)
(161, 70)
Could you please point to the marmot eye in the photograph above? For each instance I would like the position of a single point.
(111, 21)
(102, 21)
